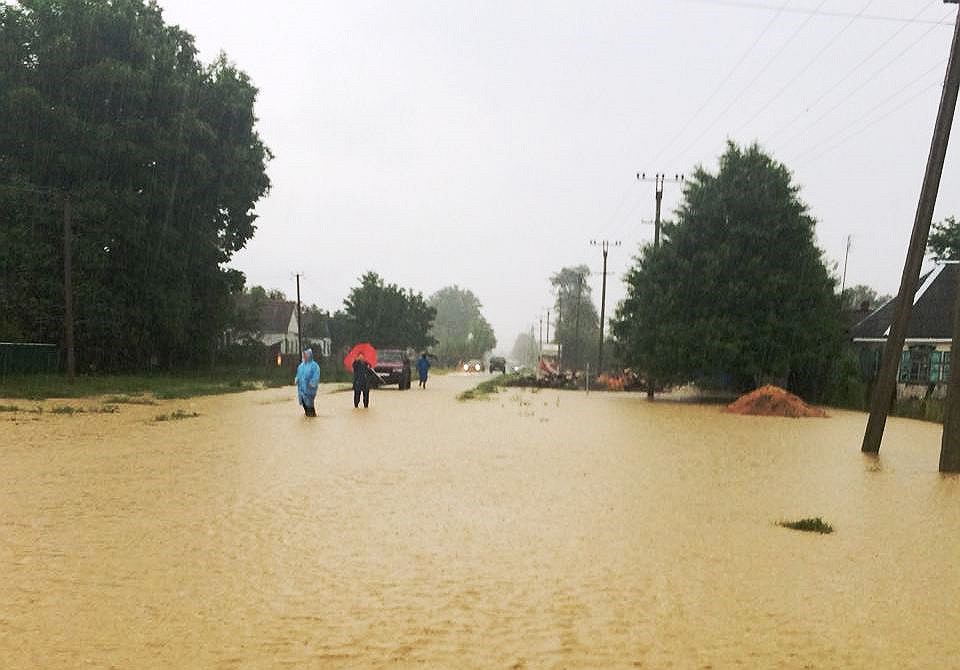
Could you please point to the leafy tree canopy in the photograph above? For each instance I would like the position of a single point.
(578, 323)
(386, 315)
(854, 297)
(460, 329)
(104, 103)
(738, 288)
(944, 240)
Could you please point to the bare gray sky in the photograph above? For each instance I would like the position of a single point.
(485, 144)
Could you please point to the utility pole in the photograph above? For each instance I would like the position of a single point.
(556, 331)
(68, 289)
(604, 247)
(950, 442)
(299, 318)
(548, 326)
(658, 179)
(843, 282)
(576, 321)
(540, 353)
(886, 382)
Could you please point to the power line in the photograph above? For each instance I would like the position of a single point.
(859, 124)
(863, 128)
(738, 97)
(847, 76)
(806, 67)
(859, 88)
(721, 85)
(819, 12)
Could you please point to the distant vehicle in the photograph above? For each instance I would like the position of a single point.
(473, 366)
(498, 363)
(393, 367)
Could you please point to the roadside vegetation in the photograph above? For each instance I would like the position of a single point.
(132, 388)
(489, 387)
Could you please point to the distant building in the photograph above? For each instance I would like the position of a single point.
(925, 360)
(270, 322)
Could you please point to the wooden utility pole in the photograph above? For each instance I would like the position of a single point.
(299, 319)
(68, 289)
(950, 442)
(658, 179)
(604, 247)
(578, 360)
(843, 282)
(885, 387)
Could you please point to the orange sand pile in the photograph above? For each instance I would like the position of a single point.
(773, 401)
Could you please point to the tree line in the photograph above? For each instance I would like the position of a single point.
(108, 117)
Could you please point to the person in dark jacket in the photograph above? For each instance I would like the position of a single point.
(308, 380)
(423, 367)
(361, 381)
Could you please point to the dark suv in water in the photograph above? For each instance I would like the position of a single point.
(393, 367)
(498, 363)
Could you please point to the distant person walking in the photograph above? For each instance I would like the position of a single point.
(423, 367)
(361, 381)
(308, 381)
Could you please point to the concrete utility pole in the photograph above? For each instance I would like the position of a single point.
(604, 247)
(658, 180)
(299, 318)
(68, 290)
(883, 391)
(950, 442)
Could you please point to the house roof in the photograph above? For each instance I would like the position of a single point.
(274, 315)
(932, 314)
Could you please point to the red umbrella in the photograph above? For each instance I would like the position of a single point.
(365, 348)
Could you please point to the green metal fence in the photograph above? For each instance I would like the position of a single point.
(28, 358)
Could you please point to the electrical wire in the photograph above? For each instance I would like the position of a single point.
(819, 12)
(807, 66)
(721, 85)
(859, 122)
(861, 86)
(849, 74)
(863, 128)
(739, 96)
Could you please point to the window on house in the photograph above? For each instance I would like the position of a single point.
(915, 365)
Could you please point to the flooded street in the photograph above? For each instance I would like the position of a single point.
(533, 530)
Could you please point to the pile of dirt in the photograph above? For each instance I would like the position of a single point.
(773, 401)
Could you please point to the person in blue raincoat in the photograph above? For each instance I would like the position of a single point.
(423, 367)
(308, 380)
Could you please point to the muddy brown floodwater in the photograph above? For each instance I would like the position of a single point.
(533, 530)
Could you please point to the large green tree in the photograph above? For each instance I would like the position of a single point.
(738, 289)
(578, 323)
(386, 315)
(460, 329)
(944, 240)
(104, 104)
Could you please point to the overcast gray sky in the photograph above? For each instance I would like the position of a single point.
(485, 144)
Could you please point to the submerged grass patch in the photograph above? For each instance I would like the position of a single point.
(129, 400)
(487, 388)
(66, 409)
(811, 525)
(175, 416)
(9, 408)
